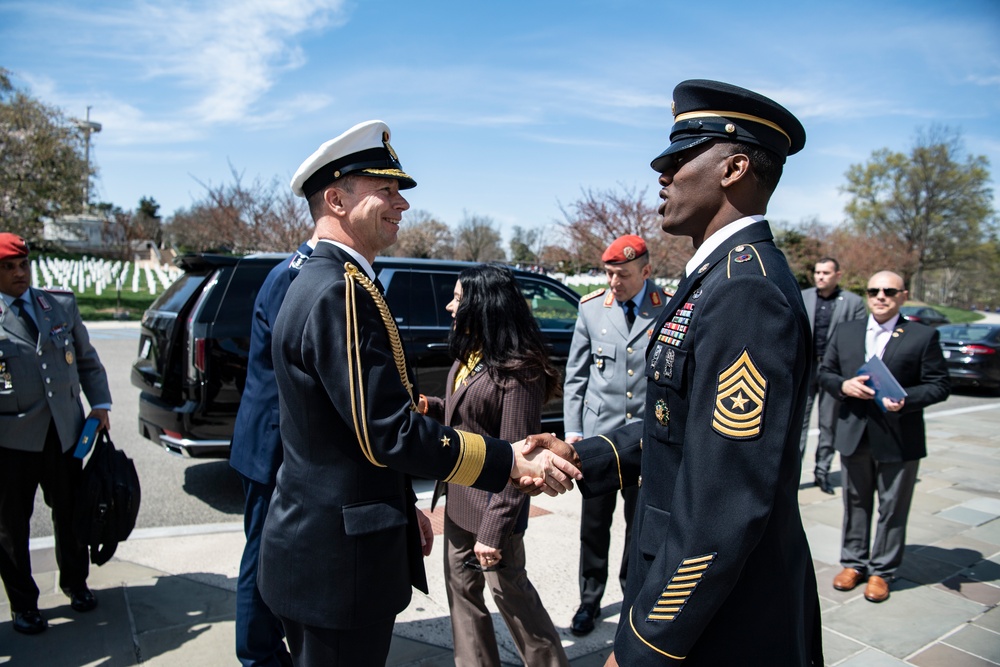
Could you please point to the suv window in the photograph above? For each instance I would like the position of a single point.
(237, 304)
(551, 309)
(175, 296)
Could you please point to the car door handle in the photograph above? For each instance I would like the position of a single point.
(437, 346)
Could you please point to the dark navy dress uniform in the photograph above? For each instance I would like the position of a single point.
(256, 456)
(720, 571)
(718, 544)
(341, 546)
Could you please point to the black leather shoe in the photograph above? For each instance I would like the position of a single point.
(82, 600)
(29, 622)
(824, 484)
(583, 619)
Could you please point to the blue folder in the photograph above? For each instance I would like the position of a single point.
(881, 380)
(87, 437)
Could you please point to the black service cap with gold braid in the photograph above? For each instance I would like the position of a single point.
(705, 110)
(362, 149)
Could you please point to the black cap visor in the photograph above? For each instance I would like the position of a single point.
(665, 160)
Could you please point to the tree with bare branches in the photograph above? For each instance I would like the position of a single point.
(592, 222)
(423, 235)
(478, 239)
(239, 218)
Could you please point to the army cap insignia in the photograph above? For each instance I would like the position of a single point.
(739, 400)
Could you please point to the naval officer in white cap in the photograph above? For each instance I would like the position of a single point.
(343, 540)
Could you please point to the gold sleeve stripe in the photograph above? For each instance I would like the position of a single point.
(621, 483)
(701, 559)
(679, 591)
(631, 622)
(471, 458)
(355, 373)
(693, 568)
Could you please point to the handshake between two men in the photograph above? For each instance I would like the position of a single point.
(545, 464)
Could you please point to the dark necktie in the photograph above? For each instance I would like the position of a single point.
(19, 310)
(630, 313)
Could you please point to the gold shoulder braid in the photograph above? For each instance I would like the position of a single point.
(355, 276)
(472, 447)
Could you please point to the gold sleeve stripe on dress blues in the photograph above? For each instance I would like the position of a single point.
(743, 257)
(678, 590)
(739, 399)
(618, 461)
(471, 458)
(631, 622)
(355, 374)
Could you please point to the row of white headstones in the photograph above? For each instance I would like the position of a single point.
(80, 275)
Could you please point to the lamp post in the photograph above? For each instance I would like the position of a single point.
(87, 126)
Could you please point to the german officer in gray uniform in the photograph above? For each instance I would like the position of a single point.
(606, 388)
(45, 360)
(720, 571)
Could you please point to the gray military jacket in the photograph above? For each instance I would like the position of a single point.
(40, 381)
(605, 372)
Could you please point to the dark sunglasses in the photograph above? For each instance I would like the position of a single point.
(472, 563)
(889, 291)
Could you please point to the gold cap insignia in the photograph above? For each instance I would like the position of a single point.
(629, 252)
(739, 400)
(388, 146)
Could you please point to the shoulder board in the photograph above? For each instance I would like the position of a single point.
(593, 295)
(743, 259)
(58, 290)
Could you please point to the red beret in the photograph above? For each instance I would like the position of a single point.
(624, 249)
(11, 246)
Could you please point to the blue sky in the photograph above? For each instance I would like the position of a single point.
(504, 109)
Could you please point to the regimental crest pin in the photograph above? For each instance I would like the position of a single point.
(661, 412)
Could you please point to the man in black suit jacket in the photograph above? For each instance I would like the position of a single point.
(880, 445)
(827, 306)
(342, 541)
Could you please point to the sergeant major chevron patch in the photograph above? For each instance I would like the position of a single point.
(739, 400)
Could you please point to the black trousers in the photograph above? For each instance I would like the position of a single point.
(21, 473)
(312, 646)
(595, 542)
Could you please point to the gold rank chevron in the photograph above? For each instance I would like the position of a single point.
(354, 276)
(680, 587)
(739, 399)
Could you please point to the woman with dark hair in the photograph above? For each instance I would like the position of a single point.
(497, 386)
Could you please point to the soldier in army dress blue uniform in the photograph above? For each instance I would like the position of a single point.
(720, 571)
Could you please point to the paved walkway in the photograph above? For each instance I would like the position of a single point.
(167, 596)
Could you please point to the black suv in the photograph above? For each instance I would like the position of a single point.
(195, 340)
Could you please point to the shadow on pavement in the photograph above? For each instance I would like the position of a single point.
(217, 485)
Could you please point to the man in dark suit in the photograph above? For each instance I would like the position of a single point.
(45, 360)
(256, 455)
(720, 571)
(606, 388)
(880, 445)
(827, 306)
(342, 541)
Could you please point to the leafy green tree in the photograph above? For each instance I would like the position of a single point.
(42, 165)
(936, 201)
